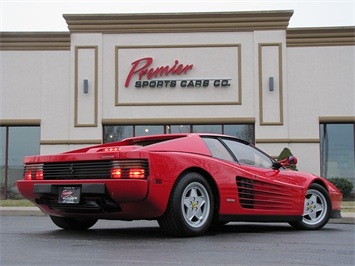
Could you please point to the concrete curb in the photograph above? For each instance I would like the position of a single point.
(21, 211)
(348, 217)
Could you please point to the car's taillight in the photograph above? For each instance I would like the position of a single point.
(129, 169)
(33, 172)
(136, 173)
(133, 173)
(116, 173)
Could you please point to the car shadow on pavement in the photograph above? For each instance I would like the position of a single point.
(152, 231)
(245, 228)
(155, 232)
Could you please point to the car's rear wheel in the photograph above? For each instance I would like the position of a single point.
(317, 208)
(190, 208)
(73, 223)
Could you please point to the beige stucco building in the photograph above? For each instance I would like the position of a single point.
(241, 73)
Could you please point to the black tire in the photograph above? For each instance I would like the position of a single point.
(317, 208)
(190, 207)
(72, 223)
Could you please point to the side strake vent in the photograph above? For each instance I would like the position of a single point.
(256, 194)
(245, 192)
(90, 169)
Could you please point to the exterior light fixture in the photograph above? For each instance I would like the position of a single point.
(86, 86)
(271, 83)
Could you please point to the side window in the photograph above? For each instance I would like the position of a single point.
(217, 149)
(248, 155)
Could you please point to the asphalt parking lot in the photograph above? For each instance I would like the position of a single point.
(35, 240)
(347, 217)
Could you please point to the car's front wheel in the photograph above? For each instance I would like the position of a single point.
(73, 223)
(190, 208)
(317, 208)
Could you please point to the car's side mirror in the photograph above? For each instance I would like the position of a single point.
(289, 161)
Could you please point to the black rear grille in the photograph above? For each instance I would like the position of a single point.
(88, 169)
(77, 170)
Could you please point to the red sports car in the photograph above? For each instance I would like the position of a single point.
(187, 182)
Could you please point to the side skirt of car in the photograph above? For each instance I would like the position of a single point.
(259, 218)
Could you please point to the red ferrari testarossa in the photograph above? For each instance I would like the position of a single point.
(187, 182)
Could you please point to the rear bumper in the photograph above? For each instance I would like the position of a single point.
(99, 198)
(94, 199)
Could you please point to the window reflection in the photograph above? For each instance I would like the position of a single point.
(117, 133)
(337, 150)
(172, 129)
(244, 132)
(148, 130)
(216, 129)
(2, 157)
(22, 141)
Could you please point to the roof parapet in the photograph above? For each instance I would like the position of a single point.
(34, 41)
(327, 36)
(179, 22)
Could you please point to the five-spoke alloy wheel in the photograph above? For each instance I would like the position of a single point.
(190, 209)
(317, 207)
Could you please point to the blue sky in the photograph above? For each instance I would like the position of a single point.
(46, 15)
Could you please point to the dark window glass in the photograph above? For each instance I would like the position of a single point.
(2, 157)
(244, 132)
(148, 130)
(22, 141)
(171, 129)
(337, 150)
(216, 129)
(117, 133)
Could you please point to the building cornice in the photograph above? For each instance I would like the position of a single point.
(20, 122)
(337, 119)
(178, 22)
(177, 121)
(34, 41)
(334, 36)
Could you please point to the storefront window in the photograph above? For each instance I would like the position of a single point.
(244, 132)
(337, 150)
(2, 157)
(148, 130)
(216, 129)
(173, 129)
(117, 133)
(22, 141)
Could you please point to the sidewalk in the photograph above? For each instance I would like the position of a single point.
(20, 211)
(348, 217)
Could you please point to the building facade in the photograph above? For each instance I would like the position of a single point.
(238, 73)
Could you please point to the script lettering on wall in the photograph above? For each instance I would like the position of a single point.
(178, 75)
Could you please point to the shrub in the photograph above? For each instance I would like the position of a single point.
(343, 184)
